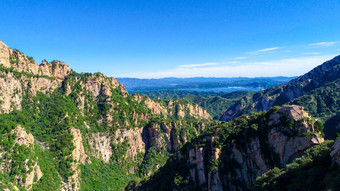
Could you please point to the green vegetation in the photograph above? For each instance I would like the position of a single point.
(321, 102)
(51, 178)
(171, 175)
(152, 160)
(317, 90)
(50, 117)
(101, 176)
(313, 171)
(14, 155)
(331, 131)
(214, 103)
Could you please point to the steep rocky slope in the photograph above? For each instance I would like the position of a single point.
(231, 155)
(317, 86)
(79, 124)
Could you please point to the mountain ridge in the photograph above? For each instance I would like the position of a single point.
(279, 95)
(68, 114)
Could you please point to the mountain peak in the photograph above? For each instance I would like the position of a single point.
(18, 61)
(4, 55)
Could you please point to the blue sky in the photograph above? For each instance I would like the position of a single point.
(182, 38)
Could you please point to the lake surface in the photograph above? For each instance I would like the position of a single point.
(221, 89)
(224, 89)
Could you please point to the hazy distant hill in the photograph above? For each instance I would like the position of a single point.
(201, 84)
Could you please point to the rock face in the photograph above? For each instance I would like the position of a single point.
(55, 69)
(198, 112)
(335, 151)
(101, 146)
(134, 137)
(33, 177)
(10, 58)
(8, 187)
(32, 169)
(283, 94)
(23, 73)
(4, 55)
(287, 143)
(78, 153)
(11, 93)
(79, 157)
(99, 83)
(22, 137)
(155, 107)
(182, 110)
(12, 89)
(139, 140)
(196, 158)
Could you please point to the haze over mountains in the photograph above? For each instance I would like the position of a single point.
(62, 130)
(202, 84)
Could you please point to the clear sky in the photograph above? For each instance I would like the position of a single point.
(182, 38)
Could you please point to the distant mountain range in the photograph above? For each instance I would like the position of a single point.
(201, 84)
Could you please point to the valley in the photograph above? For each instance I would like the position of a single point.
(63, 130)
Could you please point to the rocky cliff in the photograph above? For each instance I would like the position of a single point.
(13, 58)
(20, 74)
(233, 155)
(317, 169)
